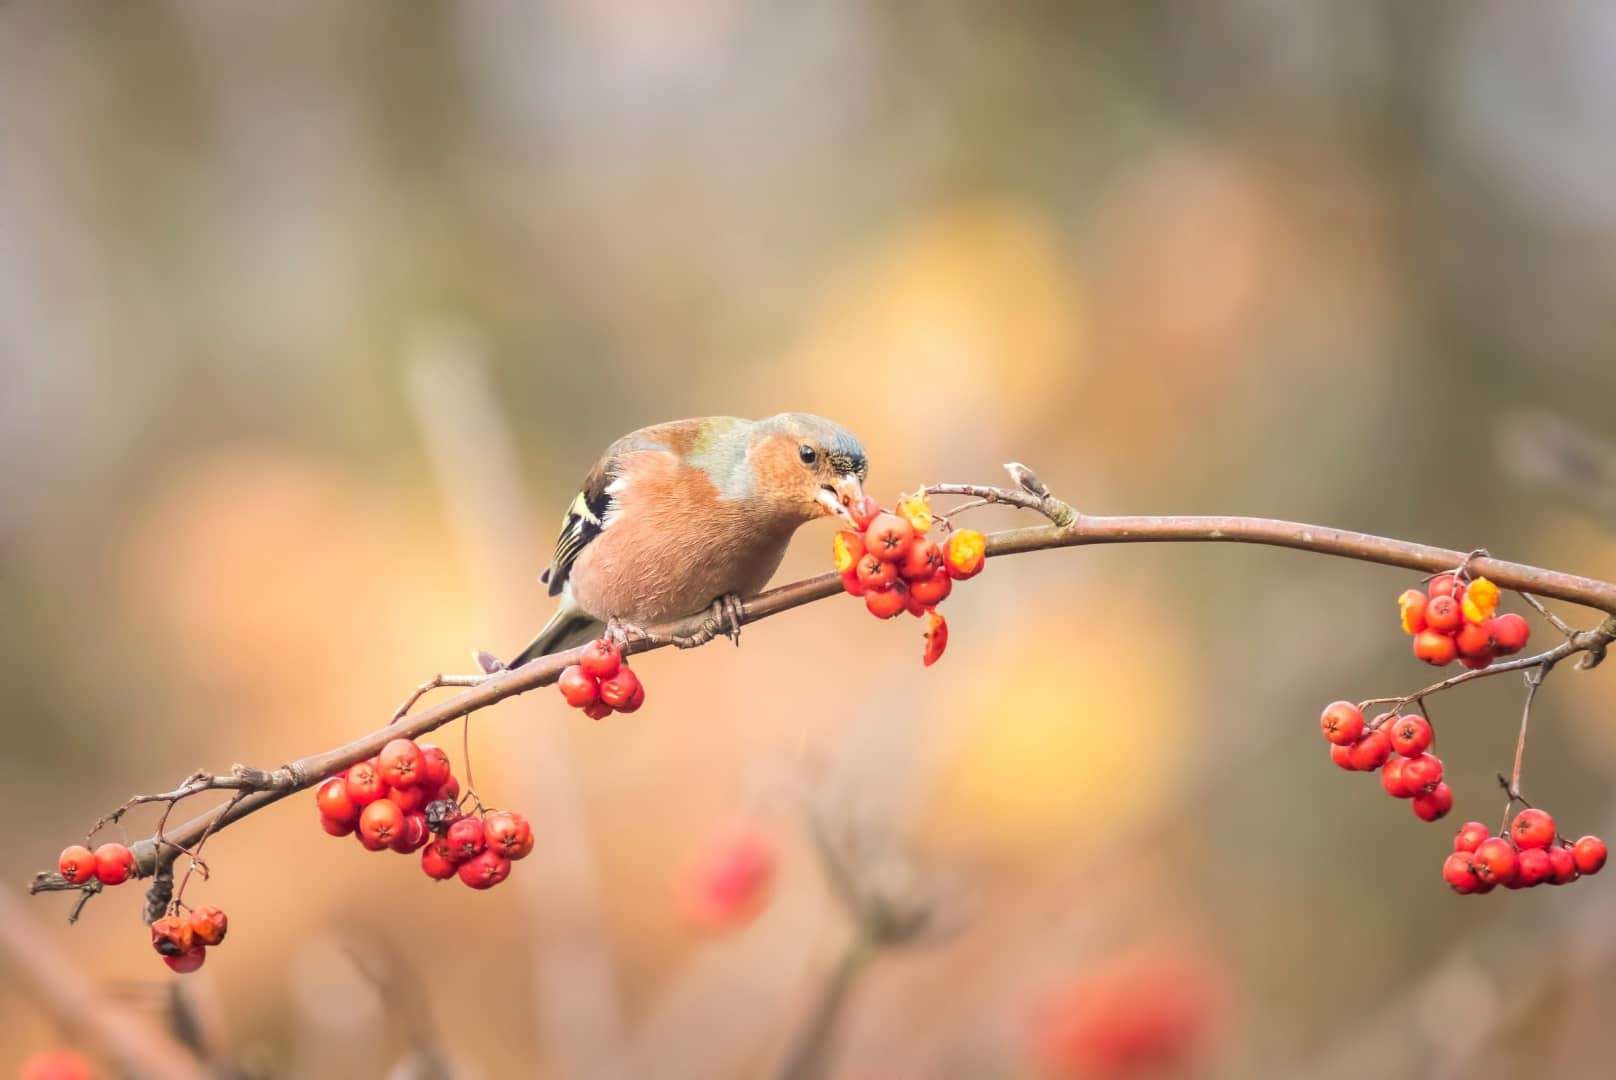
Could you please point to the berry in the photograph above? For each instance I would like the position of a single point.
(1470, 836)
(1411, 735)
(728, 882)
(598, 710)
(874, 572)
(365, 784)
(434, 865)
(1434, 804)
(188, 961)
(335, 805)
(1564, 864)
(936, 638)
(172, 935)
(409, 799)
(580, 688)
(620, 689)
(924, 559)
(1444, 585)
(1495, 862)
(380, 823)
(1391, 778)
(465, 838)
(916, 511)
(1371, 752)
(602, 658)
(633, 703)
(1435, 648)
(1341, 723)
(485, 870)
(1411, 610)
(1480, 601)
(885, 603)
(1532, 829)
(863, 511)
(1535, 867)
(208, 924)
(451, 787)
(508, 834)
(1477, 663)
(113, 864)
(1589, 854)
(57, 1065)
(1459, 874)
(851, 583)
(965, 553)
(931, 591)
(1443, 615)
(846, 547)
(888, 537)
(1342, 756)
(446, 851)
(1422, 772)
(76, 864)
(435, 768)
(1508, 633)
(413, 836)
(337, 828)
(1473, 642)
(400, 763)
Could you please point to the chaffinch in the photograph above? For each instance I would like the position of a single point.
(678, 517)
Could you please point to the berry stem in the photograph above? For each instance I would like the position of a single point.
(1534, 679)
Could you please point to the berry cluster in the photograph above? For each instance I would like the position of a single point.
(407, 799)
(600, 683)
(110, 864)
(182, 940)
(1533, 853)
(1396, 745)
(891, 562)
(1455, 620)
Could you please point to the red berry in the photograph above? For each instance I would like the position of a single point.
(172, 935)
(580, 688)
(1508, 633)
(619, 690)
(885, 603)
(1532, 829)
(1495, 861)
(1434, 804)
(1563, 862)
(188, 961)
(447, 851)
(1443, 615)
(931, 591)
(57, 1065)
(851, 583)
(381, 822)
(1444, 585)
(335, 805)
(435, 768)
(410, 799)
(1411, 609)
(633, 703)
(1478, 663)
(450, 789)
(1434, 648)
(76, 864)
(1371, 752)
(1534, 867)
(412, 836)
(508, 834)
(365, 784)
(729, 881)
(601, 658)
(485, 870)
(863, 511)
(598, 710)
(936, 638)
(924, 559)
(400, 763)
(1411, 735)
(1341, 723)
(1473, 642)
(434, 865)
(1342, 756)
(888, 537)
(1589, 854)
(1459, 874)
(208, 924)
(465, 838)
(1470, 836)
(337, 828)
(113, 864)
(1422, 772)
(874, 572)
(1391, 779)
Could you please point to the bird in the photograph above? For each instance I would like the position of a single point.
(690, 515)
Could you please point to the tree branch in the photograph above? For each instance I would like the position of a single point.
(1067, 528)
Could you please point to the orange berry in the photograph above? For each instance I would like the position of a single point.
(965, 553)
(936, 638)
(1411, 610)
(917, 512)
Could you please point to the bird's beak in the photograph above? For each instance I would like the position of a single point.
(846, 492)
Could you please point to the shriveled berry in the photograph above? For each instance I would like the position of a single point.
(209, 924)
(172, 935)
(1411, 735)
(1480, 601)
(580, 688)
(1341, 722)
(76, 864)
(916, 511)
(1434, 804)
(965, 554)
(1532, 828)
(1589, 854)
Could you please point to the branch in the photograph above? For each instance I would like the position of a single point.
(1067, 528)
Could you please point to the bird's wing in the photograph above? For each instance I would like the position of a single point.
(583, 521)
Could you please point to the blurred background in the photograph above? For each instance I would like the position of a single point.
(312, 315)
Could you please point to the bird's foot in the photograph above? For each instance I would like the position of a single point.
(623, 634)
(723, 618)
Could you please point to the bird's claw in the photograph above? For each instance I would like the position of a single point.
(723, 618)
(624, 634)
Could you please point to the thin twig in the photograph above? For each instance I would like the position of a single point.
(1554, 620)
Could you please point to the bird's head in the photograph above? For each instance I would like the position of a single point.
(810, 465)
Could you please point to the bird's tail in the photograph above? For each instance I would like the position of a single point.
(567, 627)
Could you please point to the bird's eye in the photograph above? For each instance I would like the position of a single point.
(808, 454)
